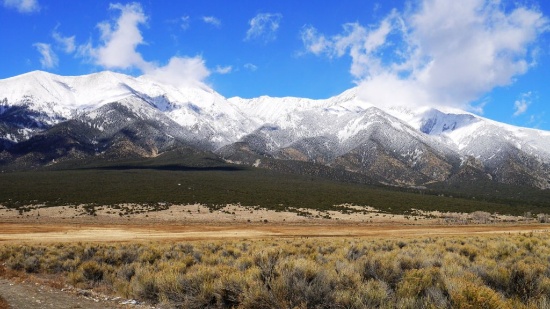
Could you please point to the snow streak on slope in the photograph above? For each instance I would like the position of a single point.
(202, 111)
(343, 115)
(344, 126)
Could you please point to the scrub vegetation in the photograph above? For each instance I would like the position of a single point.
(215, 187)
(496, 271)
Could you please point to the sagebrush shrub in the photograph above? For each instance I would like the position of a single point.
(502, 271)
(92, 271)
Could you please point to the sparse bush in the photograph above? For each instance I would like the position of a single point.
(375, 293)
(126, 272)
(31, 264)
(303, 283)
(229, 289)
(543, 218)
(470, 252)
(92, 271)
(382, 268)
(15, 263)
(144, 285)
(354, 253)
(266, 261)
(423, 286)
(525, 280)
(466, 294)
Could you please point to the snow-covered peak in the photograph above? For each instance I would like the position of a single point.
(274, 109)
(62, 97)
(95, 89)
(201, 109)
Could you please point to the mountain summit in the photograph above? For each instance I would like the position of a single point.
(46, 119)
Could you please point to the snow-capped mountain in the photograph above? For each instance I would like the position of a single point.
(52, 99)
(45, 118)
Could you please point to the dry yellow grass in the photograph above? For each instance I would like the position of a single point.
(144, 231)
(447, 271)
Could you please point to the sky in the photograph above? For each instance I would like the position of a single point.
(490, 57)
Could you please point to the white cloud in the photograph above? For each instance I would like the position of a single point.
(118, 50)
(180, 72)
(439, 53)
(120, 39)
(23, 6)
(223, 70)
(250, 66)
(48, 58)
(67, 43)
(212, 21)
(363, 45)
(264, 27)
(521, 104)
(314, 42)
(185, 21)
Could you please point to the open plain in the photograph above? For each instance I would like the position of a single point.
(58, 232)
(193, 256)
(196, 222)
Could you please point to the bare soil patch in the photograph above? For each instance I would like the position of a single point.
(33, 295)
(3, 303)
(238, 214)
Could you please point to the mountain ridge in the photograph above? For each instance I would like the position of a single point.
(118, 115)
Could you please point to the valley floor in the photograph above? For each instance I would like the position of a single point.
(455, 236)
(196, 222)
(81, 232)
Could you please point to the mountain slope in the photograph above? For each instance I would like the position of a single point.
(46, 119)
(201, 111)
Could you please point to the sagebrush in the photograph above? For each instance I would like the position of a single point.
(504, 271)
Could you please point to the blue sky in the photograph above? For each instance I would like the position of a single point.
(491, 57)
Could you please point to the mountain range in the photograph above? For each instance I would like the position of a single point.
(48, 120)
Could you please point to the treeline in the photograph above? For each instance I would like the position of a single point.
(223, 185)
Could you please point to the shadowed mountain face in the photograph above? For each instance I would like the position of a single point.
(46, 120)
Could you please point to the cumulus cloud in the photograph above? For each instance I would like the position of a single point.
(439, 53)
(212, 21)
(120, 39)
(223, 70)
(180, 72)
(67, 44)
(521, 104)
(48, 58)
(23, 6)
(118, 50)
(264, 27)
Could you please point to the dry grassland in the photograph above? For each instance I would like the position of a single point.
(195, 222)
(446, 271)
(246, 257)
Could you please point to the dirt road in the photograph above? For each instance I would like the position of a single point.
(29, 295)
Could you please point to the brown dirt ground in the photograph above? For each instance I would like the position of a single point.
(80, 232)
(33, 295)
(22, 291)
(3, 303)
